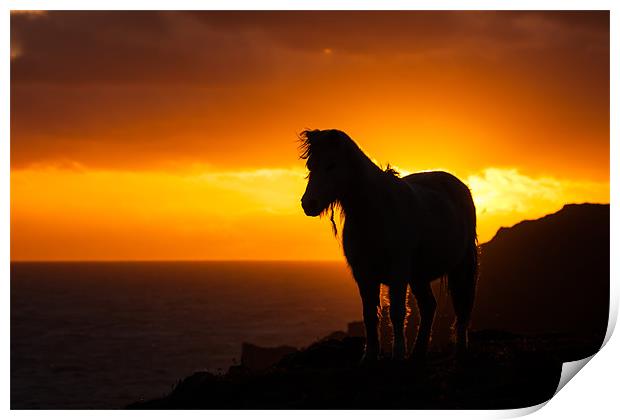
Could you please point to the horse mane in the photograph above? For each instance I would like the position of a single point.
(305, 143)
(312, 141)
(391, 171)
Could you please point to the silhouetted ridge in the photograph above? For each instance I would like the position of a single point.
(570, 212)
(548, 275)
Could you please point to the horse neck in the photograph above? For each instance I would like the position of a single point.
(366, 190)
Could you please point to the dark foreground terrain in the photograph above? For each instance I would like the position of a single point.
(502, 371)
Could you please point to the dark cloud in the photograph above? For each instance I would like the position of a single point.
(133, 89)
(124, 47)
(219, 47)
(390, 32)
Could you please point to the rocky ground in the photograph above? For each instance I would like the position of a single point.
(502, 371)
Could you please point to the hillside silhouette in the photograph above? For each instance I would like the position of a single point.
(543, 299)
(549, 275)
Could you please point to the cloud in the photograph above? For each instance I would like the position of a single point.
(30, 14)
(215, 47)
(505, 196)
(498, 190)
(277, 189)
(121, 47)
(16, 48)
(506, 190)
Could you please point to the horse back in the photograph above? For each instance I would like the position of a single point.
(448, 189)
(446, 220)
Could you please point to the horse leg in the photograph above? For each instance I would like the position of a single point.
(370, 294)
(398, 309)
(427, 305)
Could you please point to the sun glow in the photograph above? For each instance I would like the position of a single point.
(215, 214)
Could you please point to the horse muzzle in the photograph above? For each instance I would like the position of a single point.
(311, 206)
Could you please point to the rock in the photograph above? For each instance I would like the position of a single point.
(257, 358)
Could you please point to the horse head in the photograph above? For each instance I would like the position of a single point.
(325, 152)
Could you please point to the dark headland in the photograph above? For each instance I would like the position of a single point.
(543, 299)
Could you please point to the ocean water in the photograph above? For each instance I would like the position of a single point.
(102, 335)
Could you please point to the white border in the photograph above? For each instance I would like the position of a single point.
(593, 394)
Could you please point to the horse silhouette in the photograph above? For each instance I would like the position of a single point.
(397, 231)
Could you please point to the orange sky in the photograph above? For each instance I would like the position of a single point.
(146, 135)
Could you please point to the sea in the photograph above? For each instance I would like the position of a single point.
(101, 335)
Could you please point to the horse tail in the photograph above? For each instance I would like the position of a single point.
(463, 279)
(462, 285)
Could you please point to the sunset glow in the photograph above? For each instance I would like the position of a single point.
(173, 135)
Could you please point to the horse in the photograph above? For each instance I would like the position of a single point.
(397, 231)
